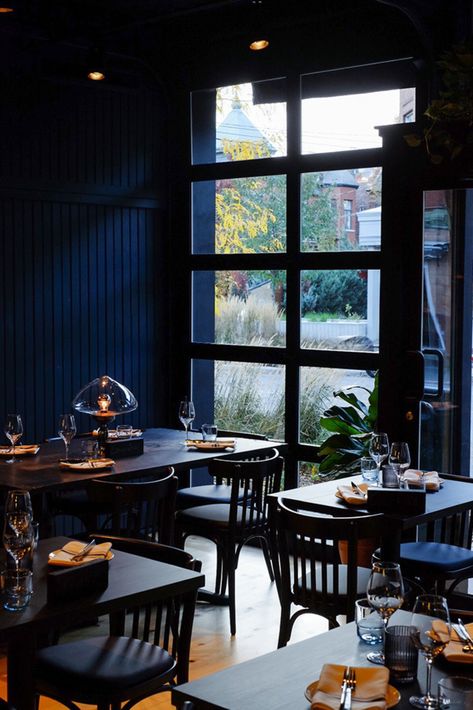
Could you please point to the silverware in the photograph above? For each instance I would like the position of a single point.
(464, 635)
(357, 489)
(84, 552)
(351, 685)
(344, 687)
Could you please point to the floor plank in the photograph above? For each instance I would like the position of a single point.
(213, 648)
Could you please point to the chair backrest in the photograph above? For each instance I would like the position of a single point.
(139, 509)
(454, 529)
(251, 482)
(166, 623)
(306, 554)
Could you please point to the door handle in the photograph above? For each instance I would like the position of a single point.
(438, 354)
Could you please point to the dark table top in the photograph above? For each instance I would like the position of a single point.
(162, 448)
(277, 680)
(452, 497)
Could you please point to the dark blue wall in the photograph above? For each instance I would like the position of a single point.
(82, 291)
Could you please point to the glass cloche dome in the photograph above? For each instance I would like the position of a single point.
(104, 399)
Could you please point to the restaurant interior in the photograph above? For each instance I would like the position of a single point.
(263, 210)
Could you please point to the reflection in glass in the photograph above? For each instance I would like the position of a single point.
(341, 210)
(340, 310)
(239, 307)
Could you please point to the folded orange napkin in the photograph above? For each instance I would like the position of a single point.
(431, 479)
(63, 557)
(88, 465)
(345, 491)
(454, 650)
(370, 691)
(20, 450)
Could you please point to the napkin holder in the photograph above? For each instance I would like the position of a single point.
(393, 500)
(67, 583)
(121, 448)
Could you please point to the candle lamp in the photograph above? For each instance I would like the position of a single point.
(104, 399)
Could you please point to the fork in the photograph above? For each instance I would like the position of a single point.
(351, 686)
(464, 635)
(346, 675)
(84, 552)
(357, 489)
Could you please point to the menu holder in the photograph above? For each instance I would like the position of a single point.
(393, 500)
(67, 583)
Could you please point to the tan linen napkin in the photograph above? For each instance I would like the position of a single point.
(370, 692)
(454, 650)
(19, 450)
(345, 491)
(218, 444)
(63, 557)
(430, 478)
(89, 465)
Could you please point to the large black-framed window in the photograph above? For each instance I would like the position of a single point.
(310, 260)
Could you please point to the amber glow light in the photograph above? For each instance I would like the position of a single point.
(258, 44)
(96, 76)
(6, 9)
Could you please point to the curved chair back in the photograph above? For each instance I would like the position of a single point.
(316, 561)
(138, 509)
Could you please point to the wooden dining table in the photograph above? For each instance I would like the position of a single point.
(132, 581)
(278, 680)
(454, 496)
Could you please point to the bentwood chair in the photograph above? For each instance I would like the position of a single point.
(217, 491)
(444, 558)
(142, 509)
(148, 650)
(307, 549)
(231, 525)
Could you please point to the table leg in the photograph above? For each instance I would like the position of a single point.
(20, 663)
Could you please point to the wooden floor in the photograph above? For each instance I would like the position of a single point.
(213, 648)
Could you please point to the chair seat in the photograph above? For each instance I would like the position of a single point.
(436, 556)
(361, 582)
(216, 514)
(204, 495)
(105, 664)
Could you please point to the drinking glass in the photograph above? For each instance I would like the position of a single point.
(186, 414)
(385, 594)
(13, 431)
(379, 449)
(18, 534)
(431, 619)
(67, 430)
(401, 456)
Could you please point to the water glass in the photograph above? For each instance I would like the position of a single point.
(89, 449)
(18, 589)
(455, 693)
(369, 624)
(401, 656)
(209, 432)
(369, 470)
(124, 431)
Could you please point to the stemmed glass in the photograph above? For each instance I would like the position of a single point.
(17, 528)
(67, 430)
(431, 618)
(13, 430)
(379, 449)
(385, 594)
(186, 414)
(401, 456)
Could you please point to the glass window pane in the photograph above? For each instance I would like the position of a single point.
(335, 123)
(239, 307)
(239, 122)
(341, 210)
(239, 215)
(340, 310)
(240, 396)
(317, 388)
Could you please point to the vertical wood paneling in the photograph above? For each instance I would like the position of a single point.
(80, 255)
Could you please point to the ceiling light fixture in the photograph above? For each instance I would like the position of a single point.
(95, 65)
(259, 36)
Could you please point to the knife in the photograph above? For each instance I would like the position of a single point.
(357, 489)
(84, 552)
(465, 633)
(344, 688)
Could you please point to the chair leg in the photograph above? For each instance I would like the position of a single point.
(267, 557)
(231, 590)
(284, 633)
(219, 572)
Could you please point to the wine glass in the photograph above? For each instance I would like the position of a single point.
(186, 413)
(431, 618)
(401, 456)
(379, 449)
(67, 430)
(13, 430)
(17, 528)
(385, 594)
